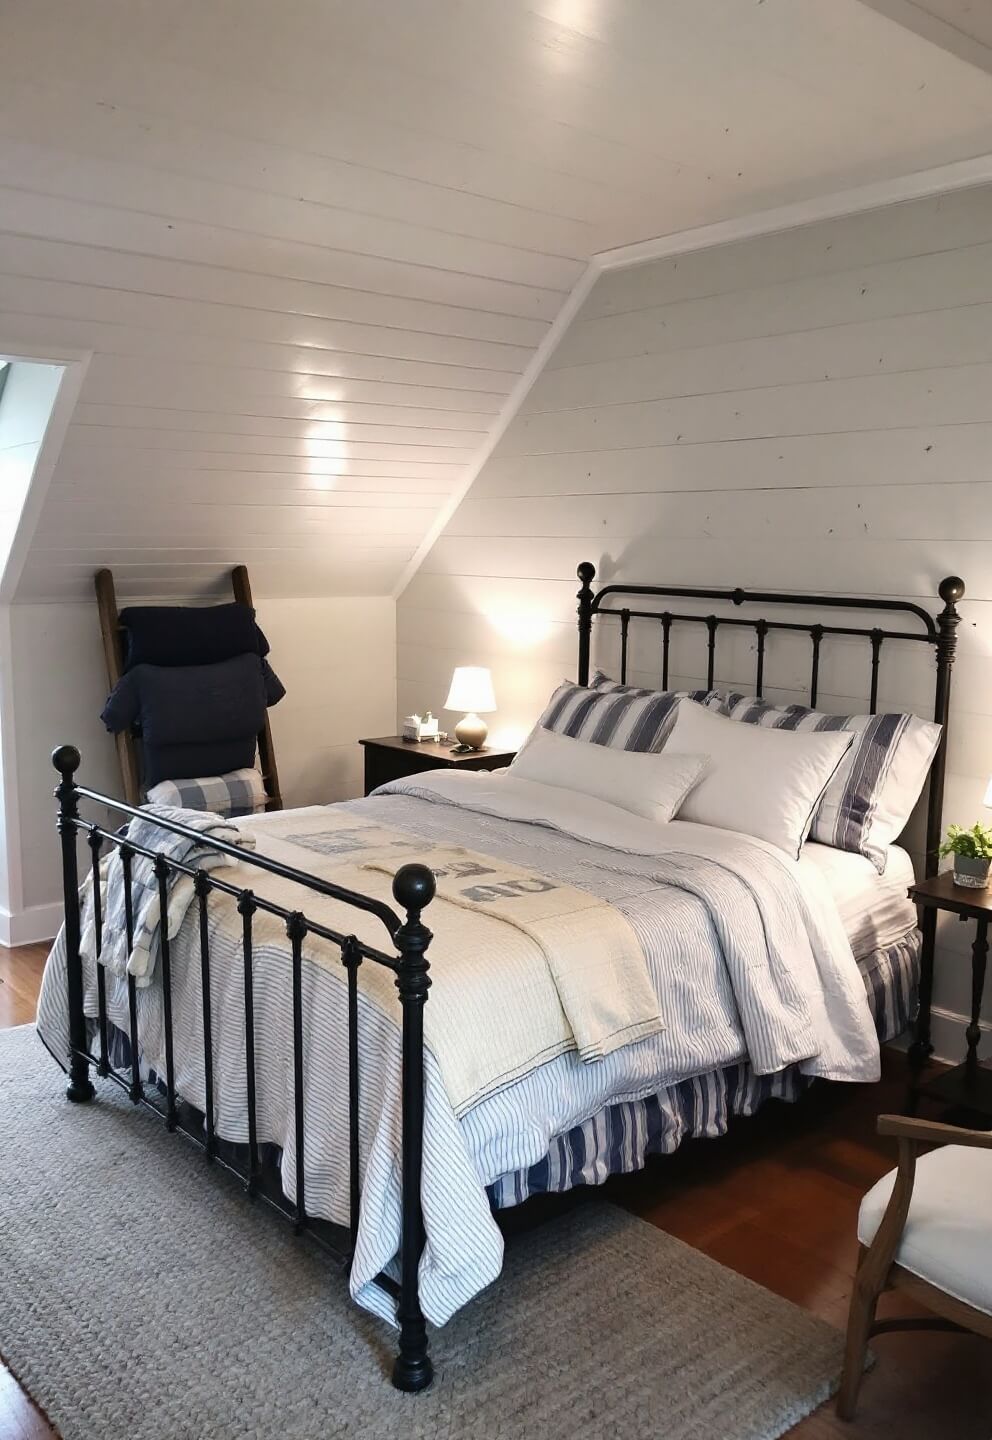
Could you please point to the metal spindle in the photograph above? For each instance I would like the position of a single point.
(135, 1091)
(624, 628)
(66, 761)
(296, 929)
(876, 653)
(247, 908)
(711, 624)
(666, 637)
(413, 888)
(351, 959)
(761, 630)
(201, 885)
(816, 635)
(165, 961)
(103, 1068)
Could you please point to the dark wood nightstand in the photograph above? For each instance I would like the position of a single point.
(967, 1086)
(390, 757)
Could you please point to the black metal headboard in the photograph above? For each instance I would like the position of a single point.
(939, 631)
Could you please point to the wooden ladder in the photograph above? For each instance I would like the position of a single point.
(113, 651)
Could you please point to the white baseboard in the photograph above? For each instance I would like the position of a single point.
(25, 927)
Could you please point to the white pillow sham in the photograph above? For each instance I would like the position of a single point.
(645, 783)
(765, 783)
(868, 802)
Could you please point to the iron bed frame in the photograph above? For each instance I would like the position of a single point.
(413, 889)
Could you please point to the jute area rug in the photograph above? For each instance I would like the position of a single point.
(143, 1295)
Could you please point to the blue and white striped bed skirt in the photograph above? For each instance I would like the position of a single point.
(621, 1138)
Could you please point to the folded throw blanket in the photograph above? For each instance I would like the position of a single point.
(146, 916)
(190, 634)
(593, 955)
(193, 704)
(477, 956)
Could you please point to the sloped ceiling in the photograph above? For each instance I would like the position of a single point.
(313, 244)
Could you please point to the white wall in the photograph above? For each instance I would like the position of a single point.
(57, 689)
(810, 410)
(336, 658)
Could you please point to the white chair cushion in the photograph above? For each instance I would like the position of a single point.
(948, 1236)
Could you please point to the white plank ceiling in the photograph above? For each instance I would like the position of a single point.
(313, 244)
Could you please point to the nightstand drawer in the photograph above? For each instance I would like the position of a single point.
(382, 765)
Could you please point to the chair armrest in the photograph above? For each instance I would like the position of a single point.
(929, 1132)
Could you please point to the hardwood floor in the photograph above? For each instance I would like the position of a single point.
(776, 1200)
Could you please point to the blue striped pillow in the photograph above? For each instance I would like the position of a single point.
(871, 796)
(623, 717)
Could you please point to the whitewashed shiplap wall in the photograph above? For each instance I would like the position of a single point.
(805, 410)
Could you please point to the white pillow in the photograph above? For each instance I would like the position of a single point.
(868, 802)
(649, 784)
(762, 782)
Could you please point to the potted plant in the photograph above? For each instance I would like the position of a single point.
(972, 851)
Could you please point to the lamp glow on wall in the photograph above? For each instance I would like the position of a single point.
(471, 692)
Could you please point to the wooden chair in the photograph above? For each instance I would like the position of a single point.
(925, 1228)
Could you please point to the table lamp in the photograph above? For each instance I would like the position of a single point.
(471, 691)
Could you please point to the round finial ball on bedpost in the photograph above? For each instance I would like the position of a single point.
(951, 590)
(414, 887)
(66, 760)
(586, 572)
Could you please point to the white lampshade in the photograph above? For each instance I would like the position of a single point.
(471, 690)
(988, 796)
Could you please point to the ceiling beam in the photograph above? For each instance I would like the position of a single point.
(945, 23)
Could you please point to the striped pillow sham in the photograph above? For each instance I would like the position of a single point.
(620, 716)
(869, 800)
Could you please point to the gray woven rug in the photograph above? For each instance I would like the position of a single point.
(142, 1295)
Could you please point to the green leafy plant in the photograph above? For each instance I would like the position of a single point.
(974, 844)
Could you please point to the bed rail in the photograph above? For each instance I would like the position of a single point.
(413, 889)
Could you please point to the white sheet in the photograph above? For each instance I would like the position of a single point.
(875, 910)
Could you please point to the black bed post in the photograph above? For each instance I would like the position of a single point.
(413, 888)
(950, 591)
(587, 574)
(66, 761)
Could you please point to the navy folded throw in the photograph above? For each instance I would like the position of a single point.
(181, 635)
(192, 704)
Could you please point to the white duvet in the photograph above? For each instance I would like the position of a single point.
(744, 947)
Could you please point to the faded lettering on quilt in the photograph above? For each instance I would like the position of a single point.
(498, 888)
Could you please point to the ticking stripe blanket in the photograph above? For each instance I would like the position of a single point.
(139, 959)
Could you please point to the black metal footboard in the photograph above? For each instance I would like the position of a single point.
(413, 889)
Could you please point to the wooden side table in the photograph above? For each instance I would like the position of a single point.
(390, 757)
(969, 1085)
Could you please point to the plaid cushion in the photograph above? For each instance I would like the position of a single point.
(241, 792)
(624, 717)
(871, 796)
